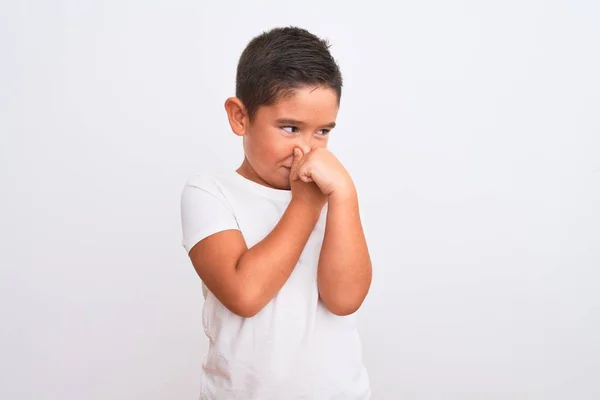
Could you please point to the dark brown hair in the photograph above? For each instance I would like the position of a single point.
(278, 61)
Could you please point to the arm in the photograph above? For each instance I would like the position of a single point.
(344, 272)
(243, 279)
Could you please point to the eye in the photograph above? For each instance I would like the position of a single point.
(323, 132)
(290, 129)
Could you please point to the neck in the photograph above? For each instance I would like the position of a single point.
(248, 172)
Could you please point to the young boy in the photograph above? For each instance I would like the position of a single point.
(278, 244)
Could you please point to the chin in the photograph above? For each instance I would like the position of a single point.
(286, 186)
(282, 184)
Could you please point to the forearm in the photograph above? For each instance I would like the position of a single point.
(264, 268)
(344, 272)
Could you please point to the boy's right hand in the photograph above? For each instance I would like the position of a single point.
(306, 192)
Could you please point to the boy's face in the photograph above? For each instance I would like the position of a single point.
(303, 119)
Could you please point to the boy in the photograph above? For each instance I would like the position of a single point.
(278, 244)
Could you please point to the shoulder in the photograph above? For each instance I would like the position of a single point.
(203, 180)
(205, 209)
(209, 182)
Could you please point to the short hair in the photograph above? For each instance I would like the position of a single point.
(278, 61)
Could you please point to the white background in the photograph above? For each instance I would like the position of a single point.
(471, 128)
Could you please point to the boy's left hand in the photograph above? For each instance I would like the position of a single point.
(323, 168)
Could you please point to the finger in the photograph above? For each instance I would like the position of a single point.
(296, 163)
(306, 179)
(304, 171)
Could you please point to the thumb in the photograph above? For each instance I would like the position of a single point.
(297, 158)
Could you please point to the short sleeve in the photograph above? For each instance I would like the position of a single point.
(204, 211)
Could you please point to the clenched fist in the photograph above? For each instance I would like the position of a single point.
(324, 169)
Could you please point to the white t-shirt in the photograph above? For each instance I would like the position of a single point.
(294, 348)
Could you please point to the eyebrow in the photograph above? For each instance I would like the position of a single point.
(289, 121)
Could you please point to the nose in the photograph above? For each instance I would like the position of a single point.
(305, 148)
(305, 144)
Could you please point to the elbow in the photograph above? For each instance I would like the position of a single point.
(246, 304)
(343, 310)
(342, 307)
(244, 311)
(343, 301)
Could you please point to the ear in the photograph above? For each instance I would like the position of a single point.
(237, 115)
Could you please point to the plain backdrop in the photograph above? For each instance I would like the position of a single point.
(472, 130)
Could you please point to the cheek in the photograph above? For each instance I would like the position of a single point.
(282, 149)
(268, 149)
(321, 144)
